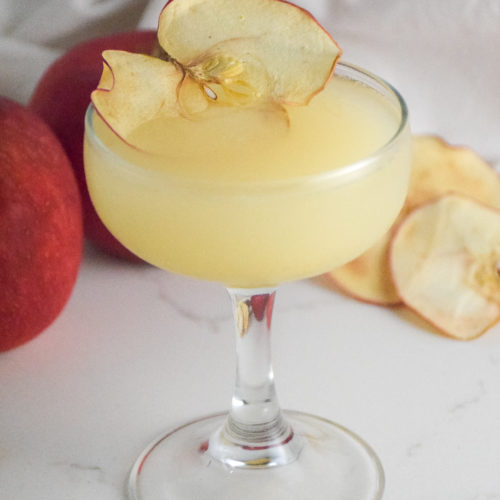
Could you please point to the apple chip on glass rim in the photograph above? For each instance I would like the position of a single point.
(219, 52)
(437, 168)
(445, 263)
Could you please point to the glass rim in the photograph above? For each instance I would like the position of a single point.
(338, 174)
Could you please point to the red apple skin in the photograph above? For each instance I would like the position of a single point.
(61, 98)
(41, 231)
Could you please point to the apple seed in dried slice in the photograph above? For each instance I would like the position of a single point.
(445, 262)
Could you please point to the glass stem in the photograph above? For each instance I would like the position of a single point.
(255, 433)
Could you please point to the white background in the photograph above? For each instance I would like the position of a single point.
(138, 350)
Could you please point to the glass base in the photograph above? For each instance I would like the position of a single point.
(334, 464)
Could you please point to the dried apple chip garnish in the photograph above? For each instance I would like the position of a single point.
(437, 168)
(262, 53)
(445, 261)
(135, 88)
(259, 47)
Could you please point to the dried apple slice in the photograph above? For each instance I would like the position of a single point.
(445, 260)
(257, 48)
(368, 278)
(135, 88)
(261, 53)
(437, 168)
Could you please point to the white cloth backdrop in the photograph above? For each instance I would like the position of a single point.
(443, 55)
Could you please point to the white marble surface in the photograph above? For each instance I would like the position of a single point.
(138, 351)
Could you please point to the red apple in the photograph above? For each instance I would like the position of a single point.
(41, 232)
(61, 98)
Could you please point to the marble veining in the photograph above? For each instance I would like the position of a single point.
(414, 449)
(77, 470)
(465, 403)
(212, 322)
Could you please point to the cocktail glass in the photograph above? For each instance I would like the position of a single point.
(256, 450)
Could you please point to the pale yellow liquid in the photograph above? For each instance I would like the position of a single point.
(250, 198)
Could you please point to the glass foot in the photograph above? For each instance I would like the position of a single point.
(334, 464)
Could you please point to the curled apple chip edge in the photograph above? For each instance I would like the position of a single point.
(445, 260)
(437, 167)
(271, 48)
(135, 88)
